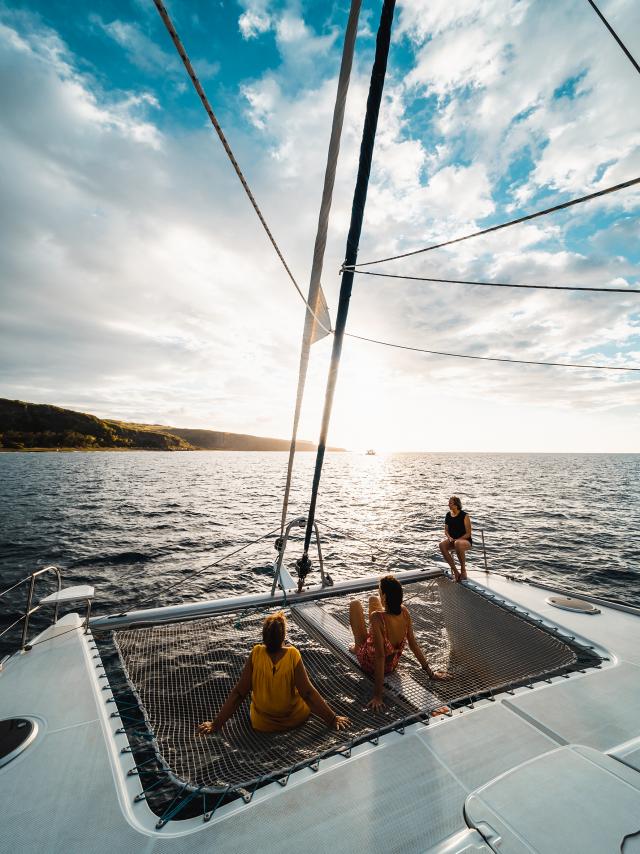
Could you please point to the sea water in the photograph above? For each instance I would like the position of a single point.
(146, 528)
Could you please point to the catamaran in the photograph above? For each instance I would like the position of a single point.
(538, 749)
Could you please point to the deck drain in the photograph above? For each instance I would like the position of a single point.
(16, 734)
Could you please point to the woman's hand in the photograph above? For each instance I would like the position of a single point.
(207, 727)
(440, 675)
(375, 704)
(436, 674)
(340, 722)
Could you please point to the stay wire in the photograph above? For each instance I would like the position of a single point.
(205, 102)
(375, 550)
(615, 35)
(500, 284)
(491, 358)
(209, 566)
(502, 225)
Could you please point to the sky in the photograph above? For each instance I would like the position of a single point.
(136, 282)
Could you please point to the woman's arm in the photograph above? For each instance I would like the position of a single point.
(414, 646)
(230, 706)
(378, 672)
(467, 527)
(314, 700)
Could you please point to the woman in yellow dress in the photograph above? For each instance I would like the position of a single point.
(282, 696)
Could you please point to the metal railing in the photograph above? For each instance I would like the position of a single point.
(325, 579)
(30, 608)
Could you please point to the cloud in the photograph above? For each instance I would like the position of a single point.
(138, 282)
(254, 23)
(145, 54)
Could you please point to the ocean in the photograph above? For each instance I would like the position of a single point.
(144, 528)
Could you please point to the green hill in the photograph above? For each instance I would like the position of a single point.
(26, 426)
(35, 425)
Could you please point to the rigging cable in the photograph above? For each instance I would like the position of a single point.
(315, 291)
(491, 358)
(502, 225)
(501, 284)
(205, 102)
(205, 568)
(374, 99)
(614, 34)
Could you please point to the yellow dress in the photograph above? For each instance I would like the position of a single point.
(276, 704)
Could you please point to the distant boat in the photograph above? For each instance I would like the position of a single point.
(371, 452)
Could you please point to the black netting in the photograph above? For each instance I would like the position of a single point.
(182, 674)
(485, 648)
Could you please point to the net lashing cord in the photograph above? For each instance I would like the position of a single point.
(315, 290)
(181, 675)
(214, 121)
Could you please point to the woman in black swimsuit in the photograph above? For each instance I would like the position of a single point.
(457, 530)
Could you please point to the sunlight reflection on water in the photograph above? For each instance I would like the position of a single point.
(135, 523)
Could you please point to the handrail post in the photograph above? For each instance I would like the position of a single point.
(29, 610)
(57, 572)
(484, 551)
(320, 561)
(27, 614)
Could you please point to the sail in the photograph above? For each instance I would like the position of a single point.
(319, 305)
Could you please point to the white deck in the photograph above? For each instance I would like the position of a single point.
(69, 792)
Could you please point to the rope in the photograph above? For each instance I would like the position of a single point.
(205, 102)
(375, 550)
(501, 284)
(614, 34)
(315, 290)
(606, 191)
(210, 565)
(374, 99)
(490, 358)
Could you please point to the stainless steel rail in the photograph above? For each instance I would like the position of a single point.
(197, 610)
(29, 610)
(299, 523)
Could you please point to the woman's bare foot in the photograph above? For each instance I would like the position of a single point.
(441, 710)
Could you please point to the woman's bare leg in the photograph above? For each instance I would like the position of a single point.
(358, 625)
(445, 548)
(374, 605)
(462, 547)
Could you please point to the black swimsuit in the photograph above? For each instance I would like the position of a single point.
(455, 525)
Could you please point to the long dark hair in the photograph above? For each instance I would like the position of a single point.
(456, 501)
(274, 630)
(392, 589)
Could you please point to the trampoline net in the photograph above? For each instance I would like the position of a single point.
(182, 673)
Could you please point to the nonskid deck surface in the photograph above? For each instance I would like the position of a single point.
(71, 790)
(182, 673)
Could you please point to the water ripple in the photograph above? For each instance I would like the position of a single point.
(134, 524)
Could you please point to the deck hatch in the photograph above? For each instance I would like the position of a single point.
(16, 734)
(181, 673)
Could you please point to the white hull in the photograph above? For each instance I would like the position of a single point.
(70, 791)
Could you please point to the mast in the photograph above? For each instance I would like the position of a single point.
(374, 99)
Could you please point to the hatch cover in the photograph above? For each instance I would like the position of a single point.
(570, 603)
(574, 799)
(16, 734)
